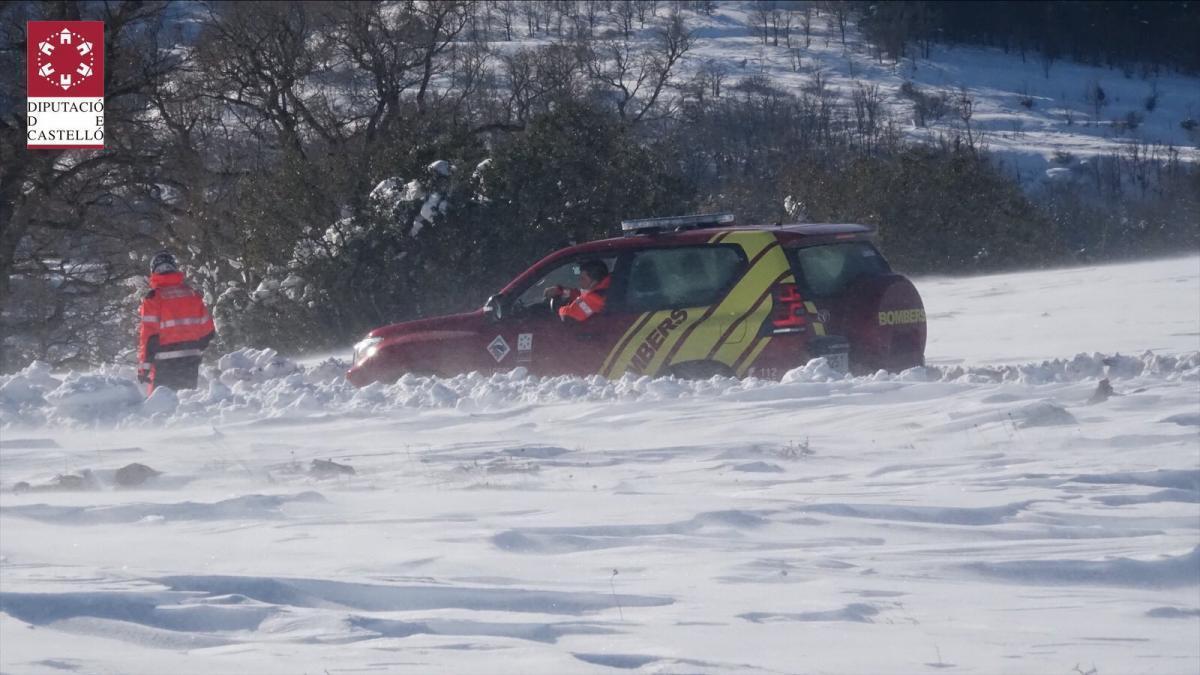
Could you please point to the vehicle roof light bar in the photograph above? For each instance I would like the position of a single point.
(644, 225)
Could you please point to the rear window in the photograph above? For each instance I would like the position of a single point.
(827, 270)
(680, 277)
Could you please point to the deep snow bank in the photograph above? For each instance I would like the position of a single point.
(252, 384)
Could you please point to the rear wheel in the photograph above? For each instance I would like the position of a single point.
(700, 370)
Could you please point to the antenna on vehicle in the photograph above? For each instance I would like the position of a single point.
(674, 223)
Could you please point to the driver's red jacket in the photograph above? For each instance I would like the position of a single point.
(586, 303)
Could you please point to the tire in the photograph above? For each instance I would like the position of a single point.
(700, 370)
(885, 323)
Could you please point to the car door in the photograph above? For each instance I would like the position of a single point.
(854, 292)
(826, 273)
(547, 345)
(679, 309)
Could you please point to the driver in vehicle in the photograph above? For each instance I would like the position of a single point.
(583, 302)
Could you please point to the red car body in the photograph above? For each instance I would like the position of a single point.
(751, 300)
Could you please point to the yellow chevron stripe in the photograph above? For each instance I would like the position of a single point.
(729, 353)
(612, 354)
(736, 302)
(704, 337)
(754, 353)
(620, 364)
(656, 363)
(771, 265)
(616, 363)
(751, 242)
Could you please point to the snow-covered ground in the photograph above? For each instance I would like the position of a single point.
(978, 516)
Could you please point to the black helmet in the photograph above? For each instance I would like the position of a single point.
(163, 263)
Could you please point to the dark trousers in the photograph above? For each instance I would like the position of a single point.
(178, 373)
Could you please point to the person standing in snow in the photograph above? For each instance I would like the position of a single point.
(589, 299)
(175, 329)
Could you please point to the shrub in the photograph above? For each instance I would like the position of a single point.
(1130, 122)
(926, 106)
(1062, 157)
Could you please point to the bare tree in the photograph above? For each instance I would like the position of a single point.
(638, 77)
(795, 57)
(56, 205)
(715, 73)
(310, 106)
(592, 11)
(508, 15)
(532, 11)
(965, 107)
(806, 16)
(868, 114)
(840, 9)
(1095, 96)
(259, 57)
(646, 10)
(561, 13)
(781, 22)
(477, 27)
(708, 80)
(532, 79)
(761, 17)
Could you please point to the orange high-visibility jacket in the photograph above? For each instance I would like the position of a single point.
(586, 303)
(175, 322)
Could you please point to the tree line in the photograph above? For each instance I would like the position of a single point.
(324, 168)
(1138, 36)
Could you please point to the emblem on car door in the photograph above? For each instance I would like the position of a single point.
(524, 347)
(498, 348)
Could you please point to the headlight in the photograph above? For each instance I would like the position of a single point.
(366, 348)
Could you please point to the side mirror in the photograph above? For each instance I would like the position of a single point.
(494, 307)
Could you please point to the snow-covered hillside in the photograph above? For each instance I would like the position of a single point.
(1033, 116)
(1027, 111)
(967, 517)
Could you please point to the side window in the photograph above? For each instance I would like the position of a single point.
(565, 275)
(827, 270)
(680, 277)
